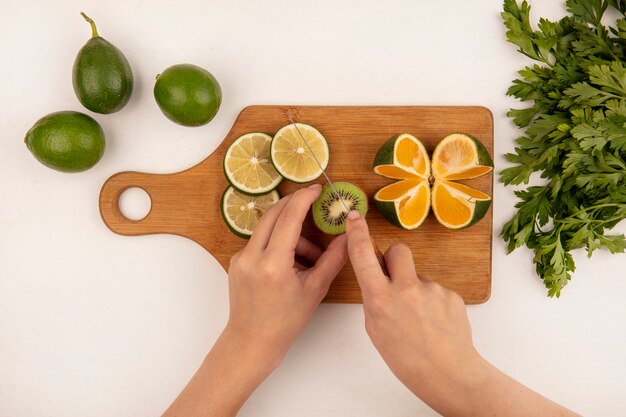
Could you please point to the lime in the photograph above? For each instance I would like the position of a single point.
(66, 141)
(187, 94)
(101, 76)
(247, 164)
(292, 157)
(242, 212)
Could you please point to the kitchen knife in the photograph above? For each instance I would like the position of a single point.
(379, 255)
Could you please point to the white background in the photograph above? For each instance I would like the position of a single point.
(92, 323)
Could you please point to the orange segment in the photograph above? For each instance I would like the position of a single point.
(392, 171)
(474, 194)
(469, 173)
(412, 209)
(406, 202)
(452, 209)
(410, 154)
(453, 155)
(393, 192)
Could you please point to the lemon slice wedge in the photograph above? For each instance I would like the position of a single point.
(291, 155)
(242, 212)
(247, 164)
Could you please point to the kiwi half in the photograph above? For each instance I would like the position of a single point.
(330, 214)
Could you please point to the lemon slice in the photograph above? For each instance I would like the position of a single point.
(242, 212)
(247, 164)
(291, 156)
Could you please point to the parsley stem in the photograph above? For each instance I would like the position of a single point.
(597, 206)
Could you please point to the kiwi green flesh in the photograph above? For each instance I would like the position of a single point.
(329, 212)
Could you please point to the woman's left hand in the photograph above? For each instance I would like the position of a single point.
(272, 294)
(272, 297)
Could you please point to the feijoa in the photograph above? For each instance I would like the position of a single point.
(102, 77)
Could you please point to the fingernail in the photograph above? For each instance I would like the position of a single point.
(354, 215)
(315, 186)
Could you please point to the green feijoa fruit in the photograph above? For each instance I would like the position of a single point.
(187, 94)
(330, 213)
(101, 76)
(66, 141)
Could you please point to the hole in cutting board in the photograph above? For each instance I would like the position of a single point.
(135, 203)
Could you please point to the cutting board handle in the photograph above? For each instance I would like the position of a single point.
(159, 189)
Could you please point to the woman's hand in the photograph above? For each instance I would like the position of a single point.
(420, 329)
(422, 332)
(272, 293)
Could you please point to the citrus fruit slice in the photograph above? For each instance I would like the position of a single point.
(460, 157)
(406, 203)
(291, 155)
(403, 156)
(247, 164)
(242, 212)
(457, 206)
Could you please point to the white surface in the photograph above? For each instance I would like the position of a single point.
(92, 323)
(134, 203)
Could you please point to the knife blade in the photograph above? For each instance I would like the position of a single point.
(379, 256)
(318, 163)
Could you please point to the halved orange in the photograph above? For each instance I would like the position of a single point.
(406, 203)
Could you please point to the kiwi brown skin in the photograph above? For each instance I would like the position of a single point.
(327, 206)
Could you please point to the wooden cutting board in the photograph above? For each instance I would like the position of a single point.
(187, 203)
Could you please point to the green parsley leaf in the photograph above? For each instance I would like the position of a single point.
(574, 136)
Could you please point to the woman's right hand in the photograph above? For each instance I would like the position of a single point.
(420, 328)
(422, 332)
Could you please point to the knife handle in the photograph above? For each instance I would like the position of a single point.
(380, 257)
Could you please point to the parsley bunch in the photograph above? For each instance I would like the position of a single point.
(575, 135)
